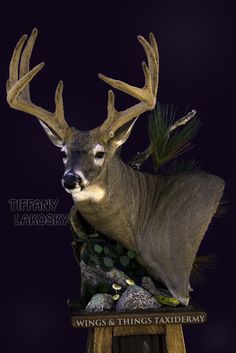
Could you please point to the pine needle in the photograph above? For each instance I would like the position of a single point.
(169, 145)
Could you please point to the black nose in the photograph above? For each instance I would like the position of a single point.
(70, 181)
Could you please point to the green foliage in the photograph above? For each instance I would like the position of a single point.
(170, 301)
(131, 254)
(106, 250)
(119, 248)
(108, 262)
(169, 145)
(124, 260)
(98, 250)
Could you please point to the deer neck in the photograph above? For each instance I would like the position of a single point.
(113, 205)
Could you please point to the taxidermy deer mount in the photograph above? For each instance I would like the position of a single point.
(161, 218)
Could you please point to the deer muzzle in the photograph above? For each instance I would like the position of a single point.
(71, 181)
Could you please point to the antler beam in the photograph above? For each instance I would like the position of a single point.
(146, 95)
(18, 94)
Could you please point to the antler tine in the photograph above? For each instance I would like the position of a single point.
(111, 110)
(59, 111)
(25, 59)
(122, 86)
(146, 95)
(13, 68)
(152, 69)
(152, 54)
(154, 46)
(18, 95)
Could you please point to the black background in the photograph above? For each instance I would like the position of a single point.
(78, 39)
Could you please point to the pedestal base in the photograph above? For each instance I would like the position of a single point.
(139, 332)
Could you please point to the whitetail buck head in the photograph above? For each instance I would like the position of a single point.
(86, 153)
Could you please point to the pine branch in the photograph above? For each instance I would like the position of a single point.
(141, 157)
(167, 139)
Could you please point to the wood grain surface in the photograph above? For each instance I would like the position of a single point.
(175, 339)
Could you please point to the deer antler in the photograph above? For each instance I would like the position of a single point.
(18, 95)
(146, 95)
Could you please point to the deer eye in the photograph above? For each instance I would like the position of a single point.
(99, 154)
(64, 157)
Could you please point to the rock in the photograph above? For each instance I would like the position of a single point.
(149, 285)
(136, 298)
(95, 275)
(163, 296)
(90, 276)
(100, 302)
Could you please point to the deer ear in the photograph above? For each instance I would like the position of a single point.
(119, 137)
(53, 136)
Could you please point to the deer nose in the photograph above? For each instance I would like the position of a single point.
(71, 181)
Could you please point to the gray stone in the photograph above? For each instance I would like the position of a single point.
(148, 284)
(100, 302)
(136, 298)
(91, 277)
(95, 276)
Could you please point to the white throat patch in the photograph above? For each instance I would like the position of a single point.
(93, 193)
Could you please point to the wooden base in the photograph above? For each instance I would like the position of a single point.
(157, 331)
(101, 338)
